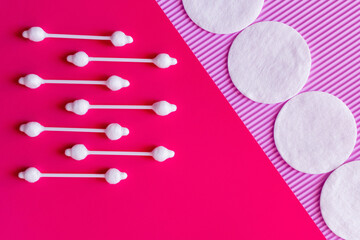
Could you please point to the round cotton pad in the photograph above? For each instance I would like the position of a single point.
(269, 62)
(223, 16)
(315, 132)
(339, 202)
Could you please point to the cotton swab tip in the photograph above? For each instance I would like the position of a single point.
(31, 175)
(35, 34)
(119, 39)
(77, 152)
(125, 131)
(124, 176)
(161, 153)
(21, 81)
(116, 83)
(163, 108)
(68, 152)
(126, 83)
(173, 107)
(163, 60)
(31, 81)
(79, 107)
(114, 176)
(69, 107)
(32, 129)
(25, 34)
(79, 59)
(130, 39)
(21, 175)
(114, 131)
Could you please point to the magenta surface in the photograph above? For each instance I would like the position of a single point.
(219, 185)
(332, 31)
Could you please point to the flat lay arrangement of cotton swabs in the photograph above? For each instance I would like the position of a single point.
(80, 107)
(315, 132)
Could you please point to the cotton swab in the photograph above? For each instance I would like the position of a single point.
(80, 152)
(112, 176)
(113, 131)
(81, 59)
(114, 83)
(37, 34)
(81, 107)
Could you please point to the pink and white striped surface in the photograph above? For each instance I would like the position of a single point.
(332, 31)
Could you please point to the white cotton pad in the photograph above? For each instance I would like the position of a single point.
(315, 132)
(340, 201)
(269, 62)
(223, 16)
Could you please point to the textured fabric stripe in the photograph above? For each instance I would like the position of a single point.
(332, 31)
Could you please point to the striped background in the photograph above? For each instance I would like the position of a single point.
(332, 30)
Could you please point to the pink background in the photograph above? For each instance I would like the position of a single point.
(332, 30)
(220, 185)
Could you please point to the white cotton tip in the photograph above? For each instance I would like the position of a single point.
(116, 83)
(114, 131)
(31, 81)
(114, 176)
(163, 108)
(31, 175)
(163, 60)
(32, 129)
(129, 39)
(119, 39)
(77, 152)
(35, 34)
(161, 153)
(79, 59)
(79, 107)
